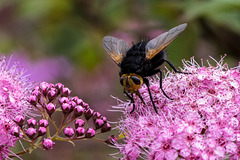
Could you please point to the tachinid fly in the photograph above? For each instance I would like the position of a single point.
(141, 60)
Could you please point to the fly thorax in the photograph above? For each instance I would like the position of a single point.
(131, 82)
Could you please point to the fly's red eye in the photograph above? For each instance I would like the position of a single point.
(136, 80)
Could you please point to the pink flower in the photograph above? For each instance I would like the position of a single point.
(201, 122)
(15, 88)
(14, 91)
(6, 138)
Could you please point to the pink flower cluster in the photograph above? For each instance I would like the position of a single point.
(202, 122)
(6, 139)
(14, 91)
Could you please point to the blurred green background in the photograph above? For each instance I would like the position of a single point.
(61, 41)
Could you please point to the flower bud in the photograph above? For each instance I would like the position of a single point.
(33, 100)
(72, 104)
(69, 132)
(85, 105)
(47, 144)
(96, 115)
(77, 100)
(15, 131)
(78, 111)
(80, 131)
(79, 123)
(41, 131)
(88, 113)
(66, 108)
(31, 122)
(106, 127)
(19, 120)
(52, 94)
(63, 100)
(31, 132)
(99, 123)
(111, 140)
(44, 88)
(90, 133)
(104, 118)
(50, 108)
(36, 92)
(59, 87)
(43, 123)
(65, 92)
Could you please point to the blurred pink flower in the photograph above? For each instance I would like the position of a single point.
(201, 122)
(48, 69)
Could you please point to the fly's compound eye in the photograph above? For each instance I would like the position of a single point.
(136, 80)
(121, 81)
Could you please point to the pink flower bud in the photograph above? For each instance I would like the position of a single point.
(80, 131)
(50, 108)
(96, 115)
(111, 140)
(77, 100)
(31, 132)
(90, 133)
(66, 108)
(106, 127)
(33, 100)
(63, 100)
(99, 123)
(72, 104)
(79, 123)
(44, 88)
(65, 92)
(41, 131)
(69, 132)
(59, 86)
(88, 113)
(15, 131)
(78, 111)
(52, 94)
(31, 122)
(47, 144)
(19, 120)
(43, 123)
(85, 105)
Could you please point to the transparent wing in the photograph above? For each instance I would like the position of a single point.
(116, 48)
(160, 42)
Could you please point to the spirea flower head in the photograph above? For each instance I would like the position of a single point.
(14, 90)
(201, 122)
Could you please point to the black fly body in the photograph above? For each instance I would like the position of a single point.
(141, 60)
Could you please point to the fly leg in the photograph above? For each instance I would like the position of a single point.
(160, 82)
(139, 95)
(131, 98)
(173, 67)
(145, 80)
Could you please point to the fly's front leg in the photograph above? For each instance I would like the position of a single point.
(139, 95)
(131, 98)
